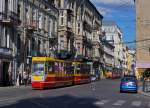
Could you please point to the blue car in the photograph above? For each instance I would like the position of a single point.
(128, 84)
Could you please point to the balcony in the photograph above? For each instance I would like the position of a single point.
(9, 18)
(52, 35)
(95, 27)
(87, 26)
(5, 51)
(32, 26)
(70, 11)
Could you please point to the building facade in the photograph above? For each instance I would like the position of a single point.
(114, 36)
(142, 35)
(29, 28)
(9, 20)
(80, 31)
(108, 57)
(125, 59)
(53, 28)
(131, 61)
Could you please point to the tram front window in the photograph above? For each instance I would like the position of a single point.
(38, 69)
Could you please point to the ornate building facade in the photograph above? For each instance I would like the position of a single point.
(29, 28)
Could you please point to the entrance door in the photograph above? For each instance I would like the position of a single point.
(1, 73)
(5, 73)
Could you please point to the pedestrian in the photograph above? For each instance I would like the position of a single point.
(17, 81)
(25, 78)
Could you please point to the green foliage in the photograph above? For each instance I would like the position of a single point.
(146, 73)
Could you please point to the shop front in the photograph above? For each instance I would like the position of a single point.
(6, 67)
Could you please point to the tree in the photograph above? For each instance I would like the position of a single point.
(146, 73)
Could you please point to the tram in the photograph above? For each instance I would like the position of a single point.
(50, 72)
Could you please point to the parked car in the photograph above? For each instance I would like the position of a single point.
(129, 84)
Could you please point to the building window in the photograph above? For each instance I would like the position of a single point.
(40, 21)
(33, 44)
(39, 45)
(18, 10)
(44, 23)
(18, 42)
(78, 30)
(59, 3)
(61, 44)
(50, 27)
(53, 26)
(61, 13)
(62, 21)
(34, 17)
(72, 5)
(61, 17)
(61, 36)
(7, 38)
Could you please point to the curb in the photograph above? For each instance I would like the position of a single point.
(146, 94)
(143, 93)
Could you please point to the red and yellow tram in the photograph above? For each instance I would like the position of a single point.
(49, 72)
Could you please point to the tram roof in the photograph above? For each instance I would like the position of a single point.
(47, 59)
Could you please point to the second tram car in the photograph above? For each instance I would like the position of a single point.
(81, 72)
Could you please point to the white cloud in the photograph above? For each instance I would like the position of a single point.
(104, 11)
(114, 2)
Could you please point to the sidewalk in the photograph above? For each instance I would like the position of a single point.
(140, 90)
(15, 87)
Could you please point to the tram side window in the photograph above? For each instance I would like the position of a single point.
(56, 67)
(51, 68)
(82, 68)
(61, 70)
(78, 69)
(67, 68)
(88, 69)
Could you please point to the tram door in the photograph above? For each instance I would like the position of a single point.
(5, 79)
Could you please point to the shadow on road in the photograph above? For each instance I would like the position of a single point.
(65, 101)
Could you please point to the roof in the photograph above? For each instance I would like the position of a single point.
(95, 9)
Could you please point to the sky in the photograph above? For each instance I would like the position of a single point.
(122, 12)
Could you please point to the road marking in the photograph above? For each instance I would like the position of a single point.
(136, 103)
(102, 102)
(119, 102)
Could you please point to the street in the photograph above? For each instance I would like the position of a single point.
(101, 94)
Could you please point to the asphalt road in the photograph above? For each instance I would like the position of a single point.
(101, 94)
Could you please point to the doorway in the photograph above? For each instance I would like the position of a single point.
(5, 68)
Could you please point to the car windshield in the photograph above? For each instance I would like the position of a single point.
(127, 79)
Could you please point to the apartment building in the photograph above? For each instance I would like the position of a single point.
(125, 50)
(9, 20)
(46, 28)
(79, 29)
(131, 61)
(142, 35)
(29, 28)
(108, 56)
(76, 21)
(114, 36)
